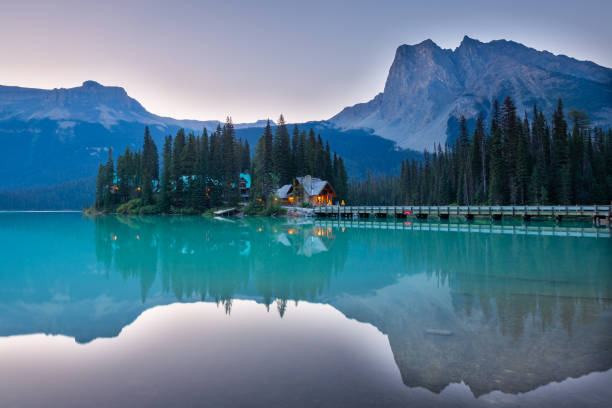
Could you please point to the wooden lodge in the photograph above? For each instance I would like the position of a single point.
(307, 189)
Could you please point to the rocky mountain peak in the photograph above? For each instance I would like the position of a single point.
(428, 88)
(467, 40)
(91, 84)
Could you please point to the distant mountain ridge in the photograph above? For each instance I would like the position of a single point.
(428, 88)
(90, 102)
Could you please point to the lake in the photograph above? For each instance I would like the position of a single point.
(190, 311)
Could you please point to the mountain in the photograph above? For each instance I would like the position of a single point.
(428, 88)
(91, 102)
(53, 141)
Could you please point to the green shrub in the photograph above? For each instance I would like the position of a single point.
(254, 208)
(131, 207)
(271, 208)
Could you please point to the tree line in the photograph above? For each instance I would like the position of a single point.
(517, 161)
(199, 172)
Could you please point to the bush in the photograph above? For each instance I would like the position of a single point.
(254, 208)
(271, 208)
(131, 207)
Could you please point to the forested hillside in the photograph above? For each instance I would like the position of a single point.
(529, 160)
(71, 195)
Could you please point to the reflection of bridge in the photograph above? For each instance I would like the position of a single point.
(496, 212)
(554, 230)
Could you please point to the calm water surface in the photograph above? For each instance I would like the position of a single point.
(187, 311)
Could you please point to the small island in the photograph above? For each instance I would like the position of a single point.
(205, 174)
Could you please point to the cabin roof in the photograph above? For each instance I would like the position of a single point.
(283, 192)
(316, 186)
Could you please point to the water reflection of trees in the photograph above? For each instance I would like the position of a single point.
(210, 259)
(523, 310)
(515, 277)
(510, 278)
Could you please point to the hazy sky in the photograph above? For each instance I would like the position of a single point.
(256, 59)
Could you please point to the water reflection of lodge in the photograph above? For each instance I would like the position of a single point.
(216, 260)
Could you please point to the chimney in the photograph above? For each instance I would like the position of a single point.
(308, 184)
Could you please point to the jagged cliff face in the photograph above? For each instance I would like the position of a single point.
(428, 88)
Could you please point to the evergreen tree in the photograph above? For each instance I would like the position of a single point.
(166, 186)
(295, 140)
(559, 157)
(478, 161)
(230, 164)
(109, 186)
(341, 181)
(177, 167)
(100, 187)
(496, 160)
(282, 153)
(522, 164)
(246, 157)
(124, 186)
(310, 153)
(300, 155)
(509, 135)
(268, 162)
(188, 156)
(150, 167)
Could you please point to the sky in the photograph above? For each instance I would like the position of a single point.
(257, 59)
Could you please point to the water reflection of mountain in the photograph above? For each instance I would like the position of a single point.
(521, 311)
(507, 312)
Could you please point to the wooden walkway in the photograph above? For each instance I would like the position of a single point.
(227, 211)
(598, 213)
(489, 228)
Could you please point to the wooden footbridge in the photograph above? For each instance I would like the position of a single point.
(600, 214)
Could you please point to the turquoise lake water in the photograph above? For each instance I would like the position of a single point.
(190, 311)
